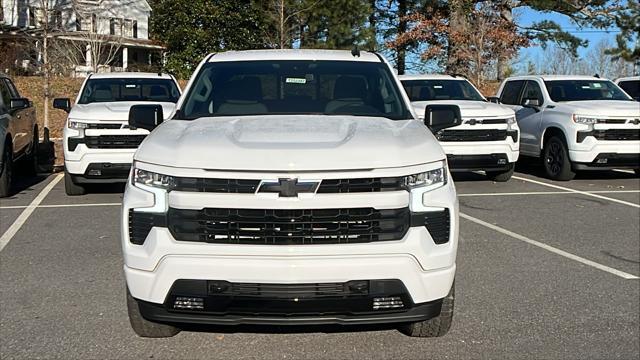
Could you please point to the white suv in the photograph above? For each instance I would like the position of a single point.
(290, 187)
(98, 143)
(574, 122)
(488, 138)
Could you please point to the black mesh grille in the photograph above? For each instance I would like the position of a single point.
(361, 185)
(494, 121)
(313, 290)
(216, 185)
(472, 135)
(288, 227)
(617, 134)
(113, 141)
(140, 223)
(103, 126)
(438, 223)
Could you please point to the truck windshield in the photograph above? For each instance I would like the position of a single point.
(428, 90)
(294, 87)
(125, 89)
(580, 90)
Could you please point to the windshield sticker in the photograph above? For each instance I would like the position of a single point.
(130, 86)
(296, 81)
(597, 85)
(437, 86)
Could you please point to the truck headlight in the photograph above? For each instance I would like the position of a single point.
(151, 179)
(76, 125)
(585, 120)
(511, 123)
(427, 180)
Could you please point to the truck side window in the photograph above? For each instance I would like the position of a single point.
(12, 89)
(533, 91)
(511, 92)
(6, 95)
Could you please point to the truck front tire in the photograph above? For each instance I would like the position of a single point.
(437, 326)
(143, 327)
(71, 188)
(555, 157)
(502, 176)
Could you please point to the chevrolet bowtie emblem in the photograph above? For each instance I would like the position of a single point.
(288, 187)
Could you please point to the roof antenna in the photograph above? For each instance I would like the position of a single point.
(596, 76)
(355, 51)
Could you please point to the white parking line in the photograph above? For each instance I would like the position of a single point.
(550, 248)
(547, 193)
(22, 218)
(625, 171)
(62, 205)
(577, 191)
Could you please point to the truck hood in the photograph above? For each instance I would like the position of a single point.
(112, 111)
(613, 108)
(290, 143)
(468, 108)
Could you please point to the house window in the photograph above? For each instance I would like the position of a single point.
(86, 23)
(135, 29)
(115, 27)
(128, 28)
(32, 16)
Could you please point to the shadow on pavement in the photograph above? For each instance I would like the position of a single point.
(288, 329)
(533, 166)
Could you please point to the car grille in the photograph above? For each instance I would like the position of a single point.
(617, 134)
(472, 135)
(313, 290)
(113, 141)
(288, 227)
(104, 126)
(438, 223)
(140, 223)
(327, 186)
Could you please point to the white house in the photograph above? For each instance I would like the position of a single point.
(120, 25)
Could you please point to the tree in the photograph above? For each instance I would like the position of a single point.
(193, 28)
(335, 24)
(628, 21)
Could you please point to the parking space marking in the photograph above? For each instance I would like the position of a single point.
(22, 218)
(625, 171)
(577, 191)
(550, 248)
(549, 193)
(62, 205)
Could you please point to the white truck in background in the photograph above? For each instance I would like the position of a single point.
(98, 143)
(487, 139)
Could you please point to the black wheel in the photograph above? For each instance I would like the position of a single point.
(6, 171)
(71, 188)
(437, 326)
(31, 163)
(637, 171)
(144, 327)
(502, 176)
(556, 160)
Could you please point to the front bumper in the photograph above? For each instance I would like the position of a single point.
(588, 151)
(481, 155)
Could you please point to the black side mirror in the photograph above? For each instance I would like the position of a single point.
(532, 104)
(19, 103)
(145, 116)
(493, 99)
(439, 117)
(62, 104)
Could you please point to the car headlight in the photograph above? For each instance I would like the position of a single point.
(586, 120)
(511, 122)
(77, 125)
(155, 180)
(429, 179)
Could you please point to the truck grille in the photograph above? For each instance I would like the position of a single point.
(113, 141)
(140, 223)
(472, 135)
(328, 186)
(288, 227)
(617, 134)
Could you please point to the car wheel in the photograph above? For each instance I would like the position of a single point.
(6, 172)
(144, 327)
(437, 326)
(502, 176)
(557, 164)
(71, 188)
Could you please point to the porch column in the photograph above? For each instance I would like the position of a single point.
(125, 58)
(88, 61)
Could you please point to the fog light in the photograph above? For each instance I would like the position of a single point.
(188, 303)
(502, 161)
(602, 161)
(95, 172)
(392, 302)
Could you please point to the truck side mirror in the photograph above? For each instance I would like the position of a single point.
(493, 99)
(18, 103)
(145, 116)
(439, 117)
(532, 104)
(62, 104)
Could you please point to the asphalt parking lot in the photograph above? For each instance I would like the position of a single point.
(546, 270)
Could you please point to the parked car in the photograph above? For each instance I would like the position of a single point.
(18, 133)
(487, 139)
(291, 187)
(574, 123)
(98, 143)
(631, 85)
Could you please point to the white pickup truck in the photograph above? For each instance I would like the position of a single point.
(487, 139)
(290, 187)
(98, 143)
(574, 123)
